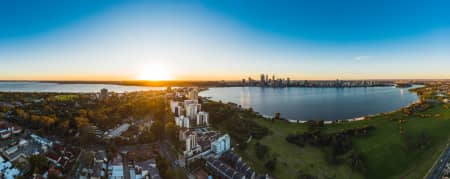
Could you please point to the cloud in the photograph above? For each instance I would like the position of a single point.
(363, 57)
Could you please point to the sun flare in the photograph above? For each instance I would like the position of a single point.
(154, 73)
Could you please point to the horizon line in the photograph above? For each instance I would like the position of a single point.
(378, 79)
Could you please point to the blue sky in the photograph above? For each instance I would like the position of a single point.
(212, 40)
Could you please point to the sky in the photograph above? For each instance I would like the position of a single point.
(224, 40)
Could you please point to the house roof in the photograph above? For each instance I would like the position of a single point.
(52, 156)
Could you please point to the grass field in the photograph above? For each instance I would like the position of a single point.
(292, 158)
(385, 150)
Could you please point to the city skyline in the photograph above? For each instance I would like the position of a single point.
(138, 40)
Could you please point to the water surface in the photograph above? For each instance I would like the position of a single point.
(316, 103)
(69, 88)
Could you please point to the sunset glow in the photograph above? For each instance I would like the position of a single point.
(154, 72)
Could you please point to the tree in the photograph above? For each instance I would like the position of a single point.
(171, 131)
(22, 114)
(48, 121)
(170, 173)
(242, 146)
(357, 162)
(164, 168)
(88, 157)
(271, 164)
(53, 175)
(402, 130)
(147, 136)
(81, 122)
(64, 126)
(261, 150)
(38, 163)
(47, 109)
(83, 113)
(111, 150)
(157, 129)
(87, 136)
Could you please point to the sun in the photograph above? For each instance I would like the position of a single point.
(154, 72)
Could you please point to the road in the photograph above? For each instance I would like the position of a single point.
(166, 152)
(441, 164)
(79, 166)
(137, 147)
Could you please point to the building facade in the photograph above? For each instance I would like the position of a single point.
(221, 145)
(202, 119)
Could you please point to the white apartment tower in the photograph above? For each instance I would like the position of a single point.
(182, 121)
(191, 142)
(192, 108)
(193, 94)
(202, 119)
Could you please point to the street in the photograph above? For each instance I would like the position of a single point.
(441, 164)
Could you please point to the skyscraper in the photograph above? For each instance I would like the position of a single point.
(262, 79)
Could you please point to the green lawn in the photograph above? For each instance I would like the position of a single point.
(386, 152)
(292, 158)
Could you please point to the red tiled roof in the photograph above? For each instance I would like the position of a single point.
(52, 156)
(58, 147)
(62, 161)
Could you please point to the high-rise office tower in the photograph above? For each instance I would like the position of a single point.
(262, 79)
